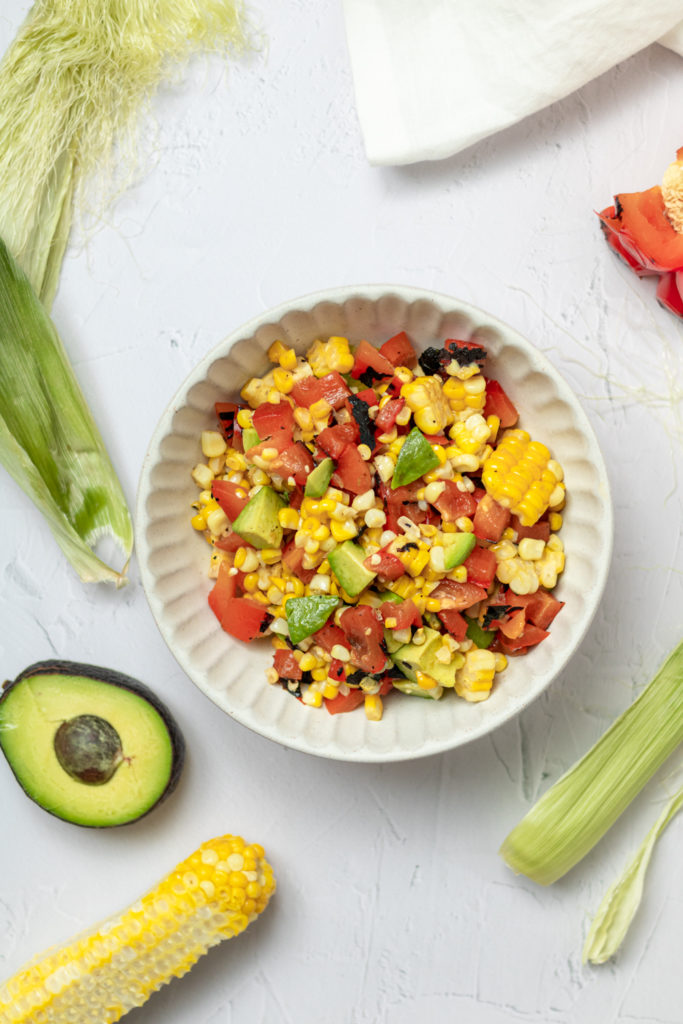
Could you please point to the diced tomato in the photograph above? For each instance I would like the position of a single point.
(539, 531)
(529, 637)
(364, 634)
(222, 591)
(340, 703)
(388, 568)
(329, 636)
(498, 404)
(458, 595)
(490, 519)
(403, 501)
(399, 350)
(279, 439)
(481, 566)
(541, 607)
(352, 472)
(295, 461)
(226, 412)
(453, 503)
(406, 614)
(454, 623)
(286, 665)
(244, 619)
(370, 359)
(332, 387)
(333, 440)
(269, 418)
(231, 497)
(230, 542)
(293, 557)
(386, 417)
(511, 625)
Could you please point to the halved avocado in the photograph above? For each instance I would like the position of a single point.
(89, 745)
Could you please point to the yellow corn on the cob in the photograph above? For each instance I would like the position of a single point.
(517, 475)
(474, 679)
(116, 966)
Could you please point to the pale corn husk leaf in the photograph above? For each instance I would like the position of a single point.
(49, 441)
(567, 822)
(622, 899)
(72, 86)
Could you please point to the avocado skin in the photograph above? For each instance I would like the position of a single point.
(124, 682)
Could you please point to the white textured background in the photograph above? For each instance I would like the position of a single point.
(393, 904)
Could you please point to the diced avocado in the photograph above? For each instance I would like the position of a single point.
(456, 548)
(413, 658)
(377, 598)
(415, 458)
(306, 615)
(346, 562)
(249, 438)
(89, 745)
(415, 690)
(319, 479)
(258, 521)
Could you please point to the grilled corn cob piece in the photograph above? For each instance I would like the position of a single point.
(518, 475)
(474, 679)
(425, 397)
(116, 966)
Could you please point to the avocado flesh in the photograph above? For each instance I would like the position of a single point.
(413, 658)
(34, 707)
(457, 546)
(346, 562)
(319, 479)
(258, 522)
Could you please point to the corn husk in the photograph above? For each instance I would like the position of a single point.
(49, 441)
(567, 822)
(622, 899)
(72, 86)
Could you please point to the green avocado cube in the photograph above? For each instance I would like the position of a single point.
(319, 479)
(346, 562)
(456, 548)
(258, 522)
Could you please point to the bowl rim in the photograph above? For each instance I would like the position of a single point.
(373, 292)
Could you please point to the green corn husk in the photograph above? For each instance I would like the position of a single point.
(567, 822)
(49, 441)
(72, 86)
(622, 899)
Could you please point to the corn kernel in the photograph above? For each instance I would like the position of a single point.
(198, 522)
(373, 707)
(283, 380)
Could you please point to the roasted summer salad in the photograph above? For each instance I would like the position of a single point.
(382, 518)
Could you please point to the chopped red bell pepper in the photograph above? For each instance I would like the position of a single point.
(529, 637)
(333, 440)
(498, 404)
(644, 231)
(670, 292)
(386, 417)
(454, 623)
(227, 413)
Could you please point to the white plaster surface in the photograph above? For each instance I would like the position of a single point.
(393, 906)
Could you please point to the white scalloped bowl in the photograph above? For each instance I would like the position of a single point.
(174, 560)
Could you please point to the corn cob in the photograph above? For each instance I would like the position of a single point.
(425, 397)
(518, 475)
(116, 966)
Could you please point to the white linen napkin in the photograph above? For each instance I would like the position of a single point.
(434, 76)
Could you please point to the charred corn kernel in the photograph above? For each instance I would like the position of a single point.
(343, 531)
(303, 419)
(246, 559)
(250, 582)
(373, 707)
(313, 698)
(320, 410)
(116, 966)
(474, 679)
(217, 521)
(425, 397)
(493, 423)
(283, 380)
(384, 465)
(530, 549)
(212, 443)
(555, 521)
(270, 556)
(517, 475)
(276, 351)
(288, 518)
(202, 476)
(198, 522)
(330, 690)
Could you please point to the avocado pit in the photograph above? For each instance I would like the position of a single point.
(88, 748)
